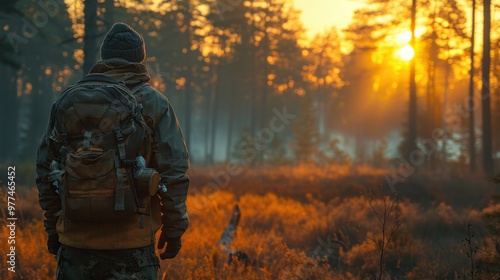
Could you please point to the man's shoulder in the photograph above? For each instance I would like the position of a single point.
(146, 90)
(155, 104)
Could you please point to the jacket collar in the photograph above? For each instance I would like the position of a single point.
(130, 73)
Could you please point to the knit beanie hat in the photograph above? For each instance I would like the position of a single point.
(123, 42)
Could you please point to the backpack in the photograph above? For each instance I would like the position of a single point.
(102, 133)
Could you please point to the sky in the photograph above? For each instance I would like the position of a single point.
(318, 15)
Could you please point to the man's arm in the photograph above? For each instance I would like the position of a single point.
(172, 160)
(49, 200)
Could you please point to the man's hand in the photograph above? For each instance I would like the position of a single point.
(53, 243)
(173, 246)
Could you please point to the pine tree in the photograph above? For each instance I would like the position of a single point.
(90, 38)
(44, 74)
(275, 154)
(488, 166)
(245, 150)
(305, 133)
(8, 7)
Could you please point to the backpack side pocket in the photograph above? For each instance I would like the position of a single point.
(90, 189)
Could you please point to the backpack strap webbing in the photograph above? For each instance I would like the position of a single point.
(120, 187)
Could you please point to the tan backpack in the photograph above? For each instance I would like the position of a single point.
(101, 132)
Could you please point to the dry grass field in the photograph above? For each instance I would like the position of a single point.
(308, 223)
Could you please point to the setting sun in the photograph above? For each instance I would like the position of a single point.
(406, 53)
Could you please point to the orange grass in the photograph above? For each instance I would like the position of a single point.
(287, 215)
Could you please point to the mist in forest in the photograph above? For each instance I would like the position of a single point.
(228, 69)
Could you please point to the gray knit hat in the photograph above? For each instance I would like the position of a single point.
(123, 42)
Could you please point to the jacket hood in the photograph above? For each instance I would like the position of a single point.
(130, 73)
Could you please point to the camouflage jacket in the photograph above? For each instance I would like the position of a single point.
(170, 158)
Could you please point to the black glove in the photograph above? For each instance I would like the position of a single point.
(53, 243)
(173, 246)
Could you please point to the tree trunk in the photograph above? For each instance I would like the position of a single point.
(215, 113)
(263, 113)
(234, 104)
(188, 112)
(412, 129)
(109, 16)
(90, 37)
(472, 133)
(253, 120)
(445, 101)
(9, 112)
(485, 93)
(431, 95)
(41, 99)
(208, 112)
(188, 75)
(321, 98)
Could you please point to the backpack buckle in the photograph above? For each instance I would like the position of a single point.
(128, 163)
(120, 143)
(118, 133)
